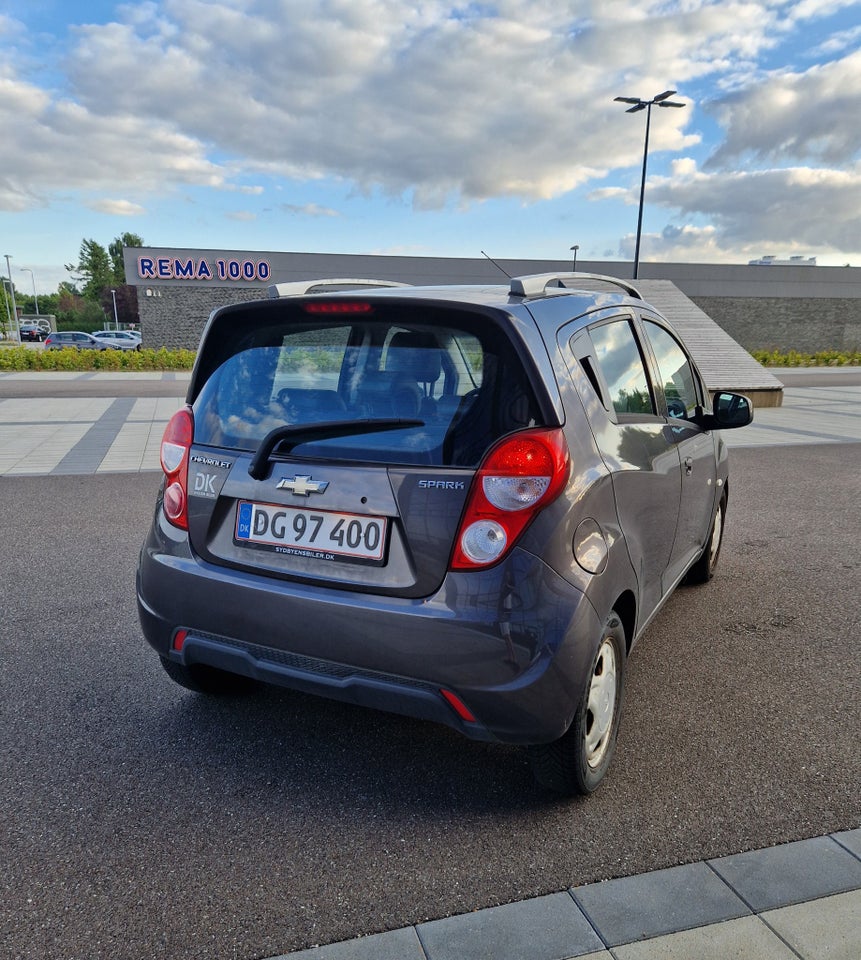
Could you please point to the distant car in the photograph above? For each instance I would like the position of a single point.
(118, 339)
(33, 332)
(75, 340)
(464, 504)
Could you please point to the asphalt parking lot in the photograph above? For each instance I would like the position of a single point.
(140, 820)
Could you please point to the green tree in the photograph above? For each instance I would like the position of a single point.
(93, 270)
(115, 251)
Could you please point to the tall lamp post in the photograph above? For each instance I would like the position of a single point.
(574, 250)
(6, 298)
(662, 100)
(116, 320)
(8, 257)
(33, 278)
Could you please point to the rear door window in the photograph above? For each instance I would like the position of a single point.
(458, 388)
(618, 356)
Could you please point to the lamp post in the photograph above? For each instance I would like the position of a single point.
(574, 249)
(12, 291)
(662, 100)
(114, 298)
(6, 298)
(33, 278)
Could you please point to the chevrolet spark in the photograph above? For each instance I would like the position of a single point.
(463, 504)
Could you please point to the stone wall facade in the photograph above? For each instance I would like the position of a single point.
(762, 308)
(174, 317)
(772, 323)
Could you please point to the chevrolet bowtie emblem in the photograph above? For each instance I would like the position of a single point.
(302, 486)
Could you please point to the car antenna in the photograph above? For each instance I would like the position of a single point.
(495, 264)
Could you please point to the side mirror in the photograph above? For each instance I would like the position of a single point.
(729, 410)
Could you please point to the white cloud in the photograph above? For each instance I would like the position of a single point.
(795, 116)
(119, 208)
(309, 210)
(444, 103)
(799, 209)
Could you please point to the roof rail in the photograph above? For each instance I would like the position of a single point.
(298, 288)
(535, 284)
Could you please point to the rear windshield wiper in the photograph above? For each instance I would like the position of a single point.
(291, 435)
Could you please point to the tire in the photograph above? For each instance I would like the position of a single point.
(577, 762)
(704, 568)
(204, 679)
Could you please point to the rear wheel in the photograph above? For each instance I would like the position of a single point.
(204, 679)
(704, 569)
(579, 759)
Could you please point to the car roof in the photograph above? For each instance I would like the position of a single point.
(518, 290)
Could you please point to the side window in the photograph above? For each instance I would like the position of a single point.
(621, 363)
(677, 375)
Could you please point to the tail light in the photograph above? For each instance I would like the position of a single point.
(175, 445)
(518, 477)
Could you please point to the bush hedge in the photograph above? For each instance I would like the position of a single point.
(792, 358)
(22, 358)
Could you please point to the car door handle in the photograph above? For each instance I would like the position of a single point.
(689, 466)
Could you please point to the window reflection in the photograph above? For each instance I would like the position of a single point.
(619, 358)
(677, 377)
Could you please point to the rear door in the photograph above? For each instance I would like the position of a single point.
(635, 443)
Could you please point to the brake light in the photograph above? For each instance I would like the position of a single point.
(337, 306)
(175, 445)
(518, 477)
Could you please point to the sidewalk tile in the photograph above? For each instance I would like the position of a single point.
(827, 929)
(400, 944)
(747, 938)
(851, 840)
(790, 873)
(661, 902)
(544, 928)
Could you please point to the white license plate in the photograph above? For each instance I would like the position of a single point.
(310, 533)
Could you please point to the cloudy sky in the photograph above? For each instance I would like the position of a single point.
(430, 127)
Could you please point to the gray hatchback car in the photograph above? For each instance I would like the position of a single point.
(463, 504)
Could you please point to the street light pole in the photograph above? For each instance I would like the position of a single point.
(33, 278)
(6, 298)
(575, 248)
(114, 298)
(662, 100)
(12, 291)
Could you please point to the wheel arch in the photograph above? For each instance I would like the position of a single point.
(626, 607)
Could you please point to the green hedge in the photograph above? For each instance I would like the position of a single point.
(22, 358)
(792, 358)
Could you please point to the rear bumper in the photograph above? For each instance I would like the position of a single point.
(514, 644)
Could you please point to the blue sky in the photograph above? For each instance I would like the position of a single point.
(430, 128)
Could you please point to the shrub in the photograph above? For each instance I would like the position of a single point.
(22, 358)
(793, 358)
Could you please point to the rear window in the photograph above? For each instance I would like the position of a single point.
(452, 375)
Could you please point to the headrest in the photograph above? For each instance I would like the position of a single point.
(415, 354)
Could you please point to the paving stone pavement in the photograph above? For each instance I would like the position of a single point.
(798, 901)
(81, 435)
(801, 900)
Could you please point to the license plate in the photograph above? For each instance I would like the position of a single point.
(321, 534)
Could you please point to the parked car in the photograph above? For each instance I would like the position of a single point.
(74, 339)
(463, 504)
(34, 332)
(118, 339)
